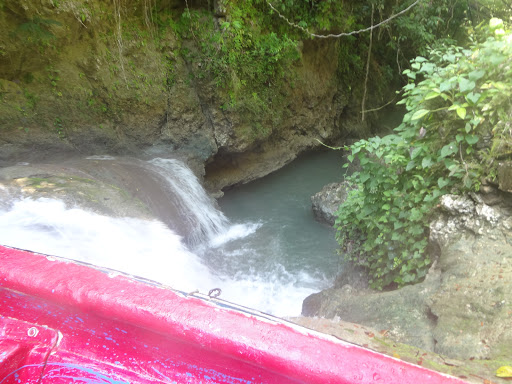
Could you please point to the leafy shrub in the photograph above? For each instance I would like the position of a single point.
(458, 121)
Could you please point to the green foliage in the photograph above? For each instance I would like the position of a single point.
(318, 16)
(458, 121)
(36, 31)
(246, 61)
(59, 128)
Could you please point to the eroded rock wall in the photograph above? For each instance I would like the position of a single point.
(94, 78)
(463, 309)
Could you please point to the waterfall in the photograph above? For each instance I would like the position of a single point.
(205, 221)
(189, 245)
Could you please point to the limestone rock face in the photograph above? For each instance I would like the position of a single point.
(326, 202)
(474, 302)
(75, 82)
(403, 314)
(505, 176)
(463, 309)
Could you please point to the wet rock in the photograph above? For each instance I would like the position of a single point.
(403, 313)
(73, 187)
(326, 202)
(354, 276)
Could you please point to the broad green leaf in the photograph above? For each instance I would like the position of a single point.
(461, 112)
(415, 152)
(398, 224)
(473, 97)
(363, 177)
(427, 68)
(448, 150)
(419, 114)
(442, 182)
(476, 75)
(410, 165)
(471, 139)
(415, 215)
(459, 138)
(445, 86)
(466, 85)
(427, 162)
(432, 95)
(449, 57)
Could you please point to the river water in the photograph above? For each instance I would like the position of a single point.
(263, 248)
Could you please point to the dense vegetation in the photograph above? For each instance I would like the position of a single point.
(457, 124)
(249, 50)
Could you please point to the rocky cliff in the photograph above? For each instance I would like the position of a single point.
(100, 77)
(462, 310)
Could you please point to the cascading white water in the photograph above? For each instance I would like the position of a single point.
(139, 247)
(196, 206)
(221, 254)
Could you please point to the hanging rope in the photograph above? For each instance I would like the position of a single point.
(335, 36)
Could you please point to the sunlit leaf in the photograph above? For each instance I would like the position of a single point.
(419, 114)
(466, 85)
(432, 95)
(461, 112)
(476, 75)
(495, 23)
(505, 371)
(445, 86)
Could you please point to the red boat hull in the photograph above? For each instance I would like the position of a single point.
(65, 322)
